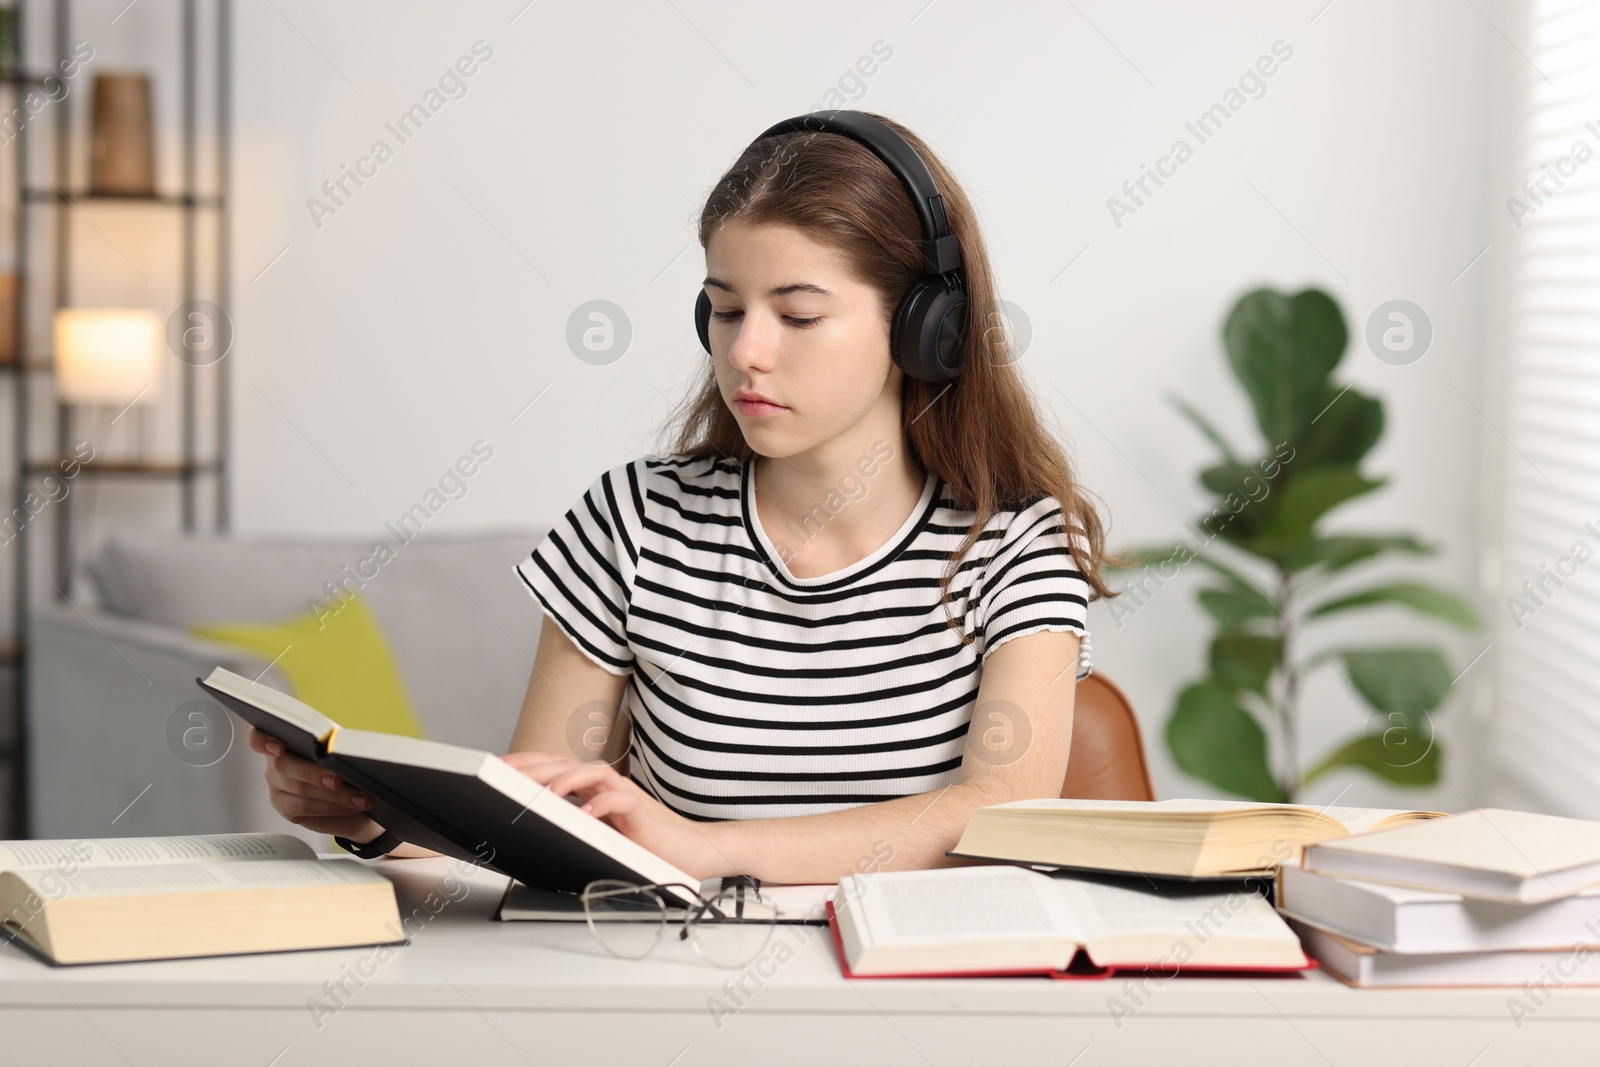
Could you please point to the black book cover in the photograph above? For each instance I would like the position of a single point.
(458, 815)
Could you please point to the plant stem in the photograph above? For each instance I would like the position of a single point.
(1290, 772)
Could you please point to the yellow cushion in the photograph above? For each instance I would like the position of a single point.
(337, 660)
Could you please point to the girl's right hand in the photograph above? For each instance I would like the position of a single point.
(309, 796)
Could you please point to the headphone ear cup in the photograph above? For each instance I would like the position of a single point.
(702, 320)
(928, 334)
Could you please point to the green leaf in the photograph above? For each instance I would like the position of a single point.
(1244, 661)
(1404, 681)
(1282, 348)
(1428, 599)
(1339, 551)
(1293, 513)
(1202, 424)
(1343, 430)
(1395, 756)
(1237, 514)
(1214, 738)
(1227, 478)
(1236, 606)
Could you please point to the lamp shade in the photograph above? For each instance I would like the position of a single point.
(106, 355)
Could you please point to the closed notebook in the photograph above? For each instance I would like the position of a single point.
(1003, 920)
(1489, 853)
(1401, 919)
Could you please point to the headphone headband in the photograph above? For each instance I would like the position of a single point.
(941, 252)
(928, 327)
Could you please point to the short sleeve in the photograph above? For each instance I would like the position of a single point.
(1032, 583)
(582, 572)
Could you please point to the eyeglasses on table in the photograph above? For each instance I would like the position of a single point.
(727, 929)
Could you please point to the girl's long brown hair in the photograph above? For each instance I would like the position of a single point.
(982, 434)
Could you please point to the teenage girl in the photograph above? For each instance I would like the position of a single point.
(848, 607)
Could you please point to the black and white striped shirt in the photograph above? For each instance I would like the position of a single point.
(754, 693)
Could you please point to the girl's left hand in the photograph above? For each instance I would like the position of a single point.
(619, 801)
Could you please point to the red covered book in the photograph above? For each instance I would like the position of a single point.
(1006, 920)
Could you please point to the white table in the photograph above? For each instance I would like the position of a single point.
(471, 992)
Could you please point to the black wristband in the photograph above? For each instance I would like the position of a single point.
(381, 845)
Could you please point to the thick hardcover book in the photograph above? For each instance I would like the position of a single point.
(153, 898)
(1366, 967)
(1197, 840)
(1403, 920)
(1520, 857)
(462, 802)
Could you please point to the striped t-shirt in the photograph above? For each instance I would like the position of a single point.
(754, 693)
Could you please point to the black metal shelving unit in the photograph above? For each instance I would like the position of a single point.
(62, 197)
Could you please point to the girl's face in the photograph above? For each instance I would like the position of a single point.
(791, 323)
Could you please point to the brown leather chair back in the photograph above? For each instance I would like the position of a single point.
(1107, 758)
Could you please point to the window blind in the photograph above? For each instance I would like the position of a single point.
(1544, 741)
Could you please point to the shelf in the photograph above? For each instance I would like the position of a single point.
(23, 78)
(32, 366)
(34, 194)
(123, 468)
(46, 276)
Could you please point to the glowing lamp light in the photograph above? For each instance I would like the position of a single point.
(107, 355)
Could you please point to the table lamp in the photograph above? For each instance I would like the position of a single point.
(107, 356)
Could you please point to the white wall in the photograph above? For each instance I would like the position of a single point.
(423, 315)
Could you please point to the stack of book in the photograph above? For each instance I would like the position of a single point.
(1485, 898)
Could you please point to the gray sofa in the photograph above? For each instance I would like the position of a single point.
(108, 673)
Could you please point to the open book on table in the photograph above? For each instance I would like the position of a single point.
(145, 898)
(462, 802)
(1003, 920)
(1201, 839)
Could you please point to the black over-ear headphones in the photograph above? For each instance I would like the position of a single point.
(928, 329)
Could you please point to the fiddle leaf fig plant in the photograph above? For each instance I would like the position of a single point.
(1275, 573)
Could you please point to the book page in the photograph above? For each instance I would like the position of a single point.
(406, 750)
(1180, 911)
(156, 878)
(957, 904)
(1138, 806)
(1360, 820)
(290, 709)
(65, 855)
(1353, 819)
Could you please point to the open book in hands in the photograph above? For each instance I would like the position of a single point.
(146, 898)
(461, 802)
